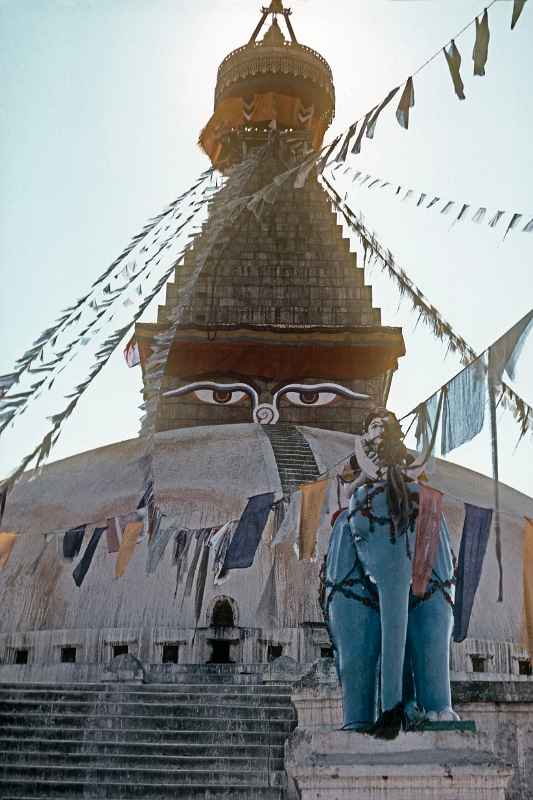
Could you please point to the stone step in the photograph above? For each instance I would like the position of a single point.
(136, 736)
(182, 681)
(149, 699)
(119, 759)
(133, 710)
(135, 775)
(27, 789)
(14, 746)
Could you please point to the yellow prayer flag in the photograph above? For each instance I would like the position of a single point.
(313, 496)
(7, 540)
(528, 583)
(127, 546)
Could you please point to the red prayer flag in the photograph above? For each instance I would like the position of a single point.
(131, 352)
(427, 537)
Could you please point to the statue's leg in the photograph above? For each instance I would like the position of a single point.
(429, 633)
(356, 633)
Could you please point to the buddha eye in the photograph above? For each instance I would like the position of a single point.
(311, 398)
(219, 396)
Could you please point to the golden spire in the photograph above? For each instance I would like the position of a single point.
(276, 7)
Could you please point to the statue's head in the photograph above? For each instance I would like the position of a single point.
(383, 436)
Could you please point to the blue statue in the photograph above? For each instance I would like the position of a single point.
(391, 647)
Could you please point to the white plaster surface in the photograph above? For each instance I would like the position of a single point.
(204, 476)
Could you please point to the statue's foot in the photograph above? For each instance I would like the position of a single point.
(446, 715)
(357, 727)
(389, 723)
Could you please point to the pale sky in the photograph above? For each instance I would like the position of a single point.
(101, 108)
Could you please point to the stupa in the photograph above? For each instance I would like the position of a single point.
(275, 360)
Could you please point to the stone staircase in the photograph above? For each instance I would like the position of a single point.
(212, 739)
(294, 458)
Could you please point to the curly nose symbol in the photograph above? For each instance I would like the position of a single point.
(266, 414)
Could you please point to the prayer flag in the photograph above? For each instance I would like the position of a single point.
(505, 352)
(427, 537)
(267, 610)
(372, 122)
(463, 411)
(243, 547)
(289, 529)
(3, 498)
(407, 101)
(357, 144)
(72, 542)
(528, 583)
(82, 567)
(476, 529)
(7, 542)
(131, 352)
(113, 534)
(127, 546)
(453, 59)
(481, 47)
(518, 7)
(313, 495)
(157, 546)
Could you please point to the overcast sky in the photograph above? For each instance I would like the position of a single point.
(102, 104)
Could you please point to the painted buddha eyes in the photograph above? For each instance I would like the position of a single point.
(224, 397)
(310, 398)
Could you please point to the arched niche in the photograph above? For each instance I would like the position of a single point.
(223, 612)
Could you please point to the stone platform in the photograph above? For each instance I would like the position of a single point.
(430, 765)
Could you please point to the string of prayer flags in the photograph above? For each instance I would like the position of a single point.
(426, 310)
(427, 537)
(7, 542)
(518, 7)
(527, 567)
(82, 567)
(50, 337)
(243, 547)
(313, 496)
(407, 102)
(478, 215)
(130, 537)
(72, 542)
(474, 539)
(480, 53)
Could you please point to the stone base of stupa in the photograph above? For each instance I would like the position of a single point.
(429, 765)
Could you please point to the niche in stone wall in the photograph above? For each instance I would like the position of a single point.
(223, 612)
